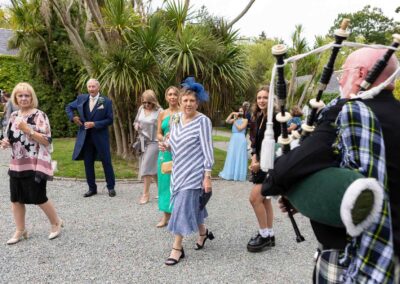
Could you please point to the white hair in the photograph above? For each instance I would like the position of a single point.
(93, 80)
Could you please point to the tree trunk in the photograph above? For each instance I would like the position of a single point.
(49, 60)
(117, 130)
(304, 93)
(63, 13)
(292, 83)
(186, 5)
(241, 14)
(95, 11)
(130, 127)
(120, 125)
(123, 136)
(118, 142)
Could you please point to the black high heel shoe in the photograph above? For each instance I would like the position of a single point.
(208, 235)
(172, 261)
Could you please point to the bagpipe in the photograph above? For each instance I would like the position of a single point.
(322, 191)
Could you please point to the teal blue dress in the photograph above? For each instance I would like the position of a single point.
(235, 167)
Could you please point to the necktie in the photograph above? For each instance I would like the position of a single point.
(92, 103)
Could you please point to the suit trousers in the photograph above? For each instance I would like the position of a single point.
(89, 156)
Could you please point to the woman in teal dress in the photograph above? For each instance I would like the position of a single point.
(164, 194)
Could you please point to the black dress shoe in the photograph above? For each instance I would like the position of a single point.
(258, 243)
(89, 193)
(112, 193)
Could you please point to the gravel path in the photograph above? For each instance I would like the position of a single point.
(222, 145)
(114, 240)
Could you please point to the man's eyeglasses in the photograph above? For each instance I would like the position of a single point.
(339, 73)
(20, 96)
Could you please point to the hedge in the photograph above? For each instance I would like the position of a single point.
(13, 70)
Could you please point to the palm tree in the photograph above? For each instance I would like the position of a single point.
(227, 73)
(31, 20)
(299, 45)
(129, 54)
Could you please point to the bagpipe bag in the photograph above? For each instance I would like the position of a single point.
(318, 188)
(338, 197)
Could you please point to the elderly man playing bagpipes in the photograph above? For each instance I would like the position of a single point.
(346, 168)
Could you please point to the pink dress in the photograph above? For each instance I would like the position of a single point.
(30, 165)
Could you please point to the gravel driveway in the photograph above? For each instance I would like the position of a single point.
(114, 240)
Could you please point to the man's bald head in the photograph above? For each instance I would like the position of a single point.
(357, 66)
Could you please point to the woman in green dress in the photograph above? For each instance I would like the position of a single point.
(164, 194)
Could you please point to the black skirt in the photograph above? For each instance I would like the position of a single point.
(26, 190)
(258, 177)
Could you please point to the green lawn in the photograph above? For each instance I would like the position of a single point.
(63, 148)
(219, 138)
(227, 128)
(219, 158)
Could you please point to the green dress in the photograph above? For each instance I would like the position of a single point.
(164, 193)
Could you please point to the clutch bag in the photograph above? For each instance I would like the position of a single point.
(204, 198)
(166, 167)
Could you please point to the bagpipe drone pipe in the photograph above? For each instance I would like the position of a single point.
(309, 176)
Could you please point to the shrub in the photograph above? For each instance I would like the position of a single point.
(13, 70)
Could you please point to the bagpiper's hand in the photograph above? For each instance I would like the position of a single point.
(77, 121)
(282, 204)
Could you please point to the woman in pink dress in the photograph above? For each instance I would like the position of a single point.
(28, 134)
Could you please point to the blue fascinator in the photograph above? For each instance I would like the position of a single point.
(190, 84)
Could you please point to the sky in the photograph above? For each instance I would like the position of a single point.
(278, 18)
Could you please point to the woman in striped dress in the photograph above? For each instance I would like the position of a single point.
(190, 142)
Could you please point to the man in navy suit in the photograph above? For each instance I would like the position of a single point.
(94, 115)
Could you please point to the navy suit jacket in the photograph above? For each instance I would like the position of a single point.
(102, 116)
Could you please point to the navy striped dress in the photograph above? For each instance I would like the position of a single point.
(192, 155)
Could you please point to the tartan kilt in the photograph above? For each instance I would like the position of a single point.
(327, 268)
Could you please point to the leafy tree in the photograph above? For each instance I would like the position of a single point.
(299, 46)
(131, 50)
(262, 36)
(369, 23)
(4, 18)
(260, 60)
(397, 90)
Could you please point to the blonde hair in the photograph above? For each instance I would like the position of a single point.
(151, 97)
(176, 90)
(21, 88)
